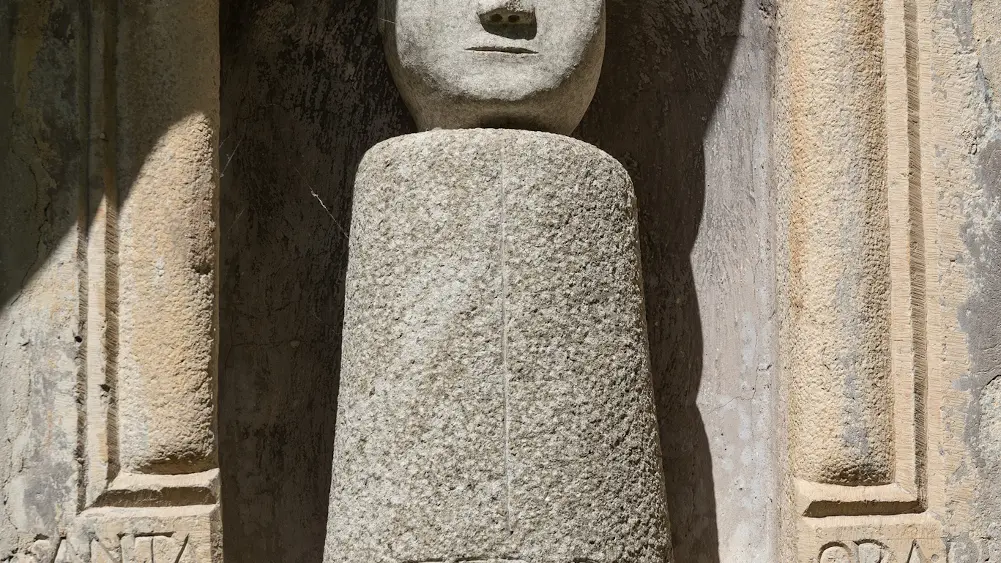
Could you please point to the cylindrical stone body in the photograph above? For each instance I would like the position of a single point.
(167, 74)
(841, 392)
(495, 397)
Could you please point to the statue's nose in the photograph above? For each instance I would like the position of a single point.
(506, 12)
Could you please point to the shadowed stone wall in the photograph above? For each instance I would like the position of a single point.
(305, 93)
(43, 173)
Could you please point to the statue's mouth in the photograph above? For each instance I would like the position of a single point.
(508, 50)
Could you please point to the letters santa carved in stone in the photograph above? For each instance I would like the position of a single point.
(525, 64)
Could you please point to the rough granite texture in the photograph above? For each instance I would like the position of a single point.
(495, 399)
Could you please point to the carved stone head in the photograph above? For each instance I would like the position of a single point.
(529, 64)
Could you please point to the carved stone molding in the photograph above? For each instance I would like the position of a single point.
(897, 539)
(149, 478)
(857, 347)
(855, 338)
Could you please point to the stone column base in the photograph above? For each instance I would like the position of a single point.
(495, 398)
(177, 534)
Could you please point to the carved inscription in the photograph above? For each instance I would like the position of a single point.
(155, 548)
(47, 550)
(916, 556)
(869, 551)
(872, 552)
(836, 554)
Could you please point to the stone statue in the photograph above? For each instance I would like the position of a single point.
(527, 64)
(495, 399)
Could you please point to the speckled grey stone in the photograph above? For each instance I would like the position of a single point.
(495, 400)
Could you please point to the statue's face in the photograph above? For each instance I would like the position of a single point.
(530, 64)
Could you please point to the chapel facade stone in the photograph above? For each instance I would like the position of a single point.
(689, 281)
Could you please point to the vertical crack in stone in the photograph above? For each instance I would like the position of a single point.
(504, 362)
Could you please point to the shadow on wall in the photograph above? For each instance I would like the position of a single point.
(305, 93)
(48, 187)
(666, 63)
(43, 155)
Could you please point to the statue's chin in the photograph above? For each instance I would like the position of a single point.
(501, 93)
(466, 89)
(493, 112)
(502, 78)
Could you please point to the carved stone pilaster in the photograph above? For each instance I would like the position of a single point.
(854, 337)
(149, 487)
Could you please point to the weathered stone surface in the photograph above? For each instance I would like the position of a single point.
(940, 135)
(168, 238)
(495, 398)
(838, 359)
(967, 167)
(177, 534)
(43, 171)
(108, 273)
(495, 63)
(852, 283)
